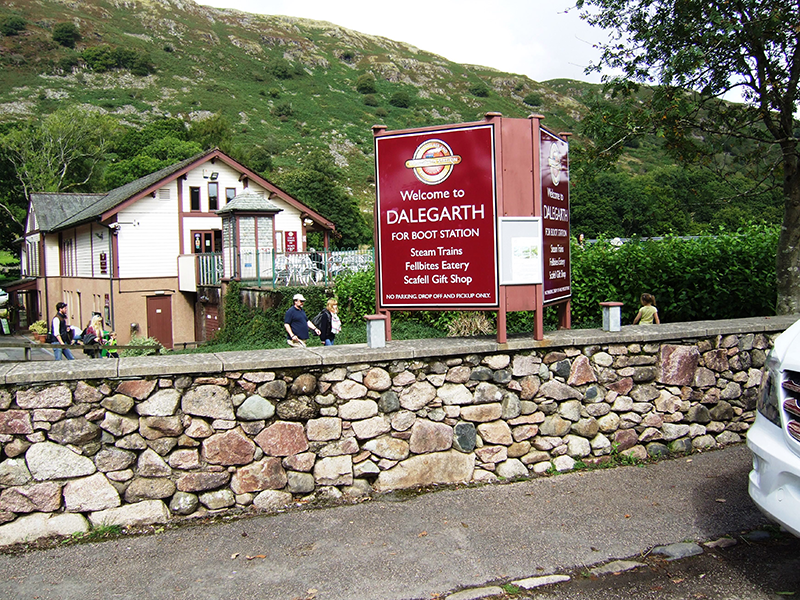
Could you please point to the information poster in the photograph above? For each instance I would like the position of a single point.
(520, 250)
(555, 217)
(436, 235)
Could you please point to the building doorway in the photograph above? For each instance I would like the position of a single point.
(159, 319)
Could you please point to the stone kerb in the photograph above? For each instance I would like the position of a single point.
(319, 425)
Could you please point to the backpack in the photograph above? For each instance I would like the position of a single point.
(89, 339)
(317, 321)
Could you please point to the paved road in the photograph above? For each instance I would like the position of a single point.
(409, 546)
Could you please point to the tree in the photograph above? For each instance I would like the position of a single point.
(533, 99)
(157, 155)
(365, 84)
(698, 52)
(214, 132)
(66, 34)
(479, 89)
(12, 25)
(63, 151)
(316, 185)
(400, 99)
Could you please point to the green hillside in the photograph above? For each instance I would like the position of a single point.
(290, 87)
(286, 84)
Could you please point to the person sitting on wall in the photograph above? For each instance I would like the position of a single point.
(297, 324)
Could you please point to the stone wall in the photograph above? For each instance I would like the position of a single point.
(146, 440)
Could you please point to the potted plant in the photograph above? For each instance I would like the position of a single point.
(39, 331)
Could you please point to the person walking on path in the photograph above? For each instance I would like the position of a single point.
(648, 314)
(61, 332)
(297, 324)
(329, 322)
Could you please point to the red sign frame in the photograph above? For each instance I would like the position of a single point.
(436, 225)
(290, 244)
(554, 164)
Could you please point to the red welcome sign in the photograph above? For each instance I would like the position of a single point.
(291, 241)
(436, 221)
(554, 156)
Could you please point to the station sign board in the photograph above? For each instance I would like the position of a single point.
(554, 164)
(436, 219)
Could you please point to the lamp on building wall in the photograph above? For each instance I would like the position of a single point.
(214, 176)
(308, 222)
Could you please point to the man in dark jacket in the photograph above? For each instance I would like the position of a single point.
(61, 333)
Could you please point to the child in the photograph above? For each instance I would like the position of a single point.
(112, 342)
(648, 314)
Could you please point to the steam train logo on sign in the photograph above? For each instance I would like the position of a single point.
(554, 162)
(433, 162)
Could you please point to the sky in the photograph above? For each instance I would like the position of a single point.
(543, 39)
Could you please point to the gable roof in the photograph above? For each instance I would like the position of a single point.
(82, 208)
(53, 209)
(134, 189)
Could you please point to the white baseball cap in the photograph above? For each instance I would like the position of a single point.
(298, 297)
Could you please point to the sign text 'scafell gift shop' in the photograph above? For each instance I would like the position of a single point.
(439, 214)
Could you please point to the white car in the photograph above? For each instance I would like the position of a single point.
(3, 297)
(774, 438)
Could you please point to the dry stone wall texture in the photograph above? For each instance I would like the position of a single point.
(95, 452)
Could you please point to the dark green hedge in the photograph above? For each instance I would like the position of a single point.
(726, 276)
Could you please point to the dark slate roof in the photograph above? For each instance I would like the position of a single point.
(121, 194)
(249, 202)
(53, 209)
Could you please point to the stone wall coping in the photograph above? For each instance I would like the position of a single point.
(211, 363)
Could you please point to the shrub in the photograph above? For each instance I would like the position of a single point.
(470, 323)
(12, 25)
(400, 99)
(66, 34)
(153, 346)
(283, 110)
(725, 276)
(99, 58)
(533, 99)
(366, 84)
(370, 100)
(280, 68)
(67, 63)
(480, 89)
(381, 112)
(105, 58)
(39, 327)
(356, 293)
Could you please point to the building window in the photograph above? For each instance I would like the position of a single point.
(230, 194)
(213, 195)
(194, 198)
(204, 242)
